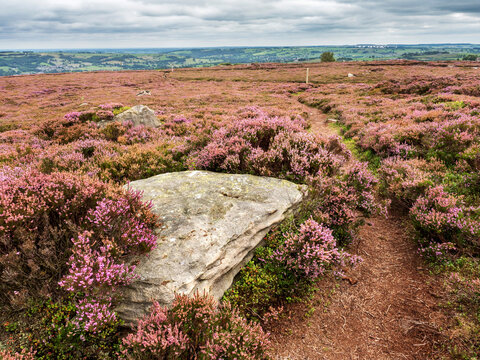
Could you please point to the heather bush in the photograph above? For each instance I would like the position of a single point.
(270, 146)
(404, 180)
(263, 284)
(111, 161)
(445, 218)
(74, 126)
(49, 328)
(435, 252)
(112, 131)
(452, 137)
(286, 268)
(112, 106)
(236, 338)
(195, 328)
(104, 115)
(380, 138)
(40, 214)
(426, 136)
(342, 200)
(311, 252)
(362, 184)
(335, 207)
(82, 156)
(19, 146)
(464, 280)
(181, 126)
(23, 355)
(75, 229)
(139, 162)
(127, 134)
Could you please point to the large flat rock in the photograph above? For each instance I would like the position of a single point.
(211, 224)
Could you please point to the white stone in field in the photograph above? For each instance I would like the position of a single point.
(350, 75)
(138, 115)
(144, 92)
(211, 225)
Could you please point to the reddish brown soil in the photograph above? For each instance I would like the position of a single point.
(390, 312)
(319, 122)
(385, 308)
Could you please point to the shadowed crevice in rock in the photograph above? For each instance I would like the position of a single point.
(211, 225)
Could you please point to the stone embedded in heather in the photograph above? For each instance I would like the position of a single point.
(138, 115)
(144, 92)
(211, 225)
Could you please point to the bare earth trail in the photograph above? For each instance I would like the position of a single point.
(386, 309)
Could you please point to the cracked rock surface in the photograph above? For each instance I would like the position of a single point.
(211, 225)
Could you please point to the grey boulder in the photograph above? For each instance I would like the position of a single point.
(211, 225)
(138, 115)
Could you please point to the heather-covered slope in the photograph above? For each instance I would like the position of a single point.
(415, 126)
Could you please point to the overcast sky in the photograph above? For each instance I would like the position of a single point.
(191, 23)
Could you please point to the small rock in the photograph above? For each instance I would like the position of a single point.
(83, 104)
(350, 75)
(138, 115)
(144, 92)
(332, 120)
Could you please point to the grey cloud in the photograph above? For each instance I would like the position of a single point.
(156, 23)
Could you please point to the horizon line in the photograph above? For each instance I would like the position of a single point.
(228, 47)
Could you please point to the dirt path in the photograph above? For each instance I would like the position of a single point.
(319, 122)
(387, 311)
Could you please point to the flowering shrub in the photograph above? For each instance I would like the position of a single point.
(404, 180)
(49, 328)
(40, 214)
(293, 257)
(260, 285)
(446, 218)
(269, 146)
(341, 199)
(156, 336)
(195, 328)
(126, 133)
(335, 206)
(436, 252)
(141, 161)
(361, 183)
(425, 132)
(23, 355)
(103, 115)
(122, 227)
(312, 251)
(47, 219)
(111, 106)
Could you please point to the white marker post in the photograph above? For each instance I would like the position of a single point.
(306, 80)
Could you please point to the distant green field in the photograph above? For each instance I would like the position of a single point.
(27, 62)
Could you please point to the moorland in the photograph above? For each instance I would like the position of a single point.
(382, 262)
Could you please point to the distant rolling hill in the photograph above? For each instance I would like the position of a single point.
(55, 61)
